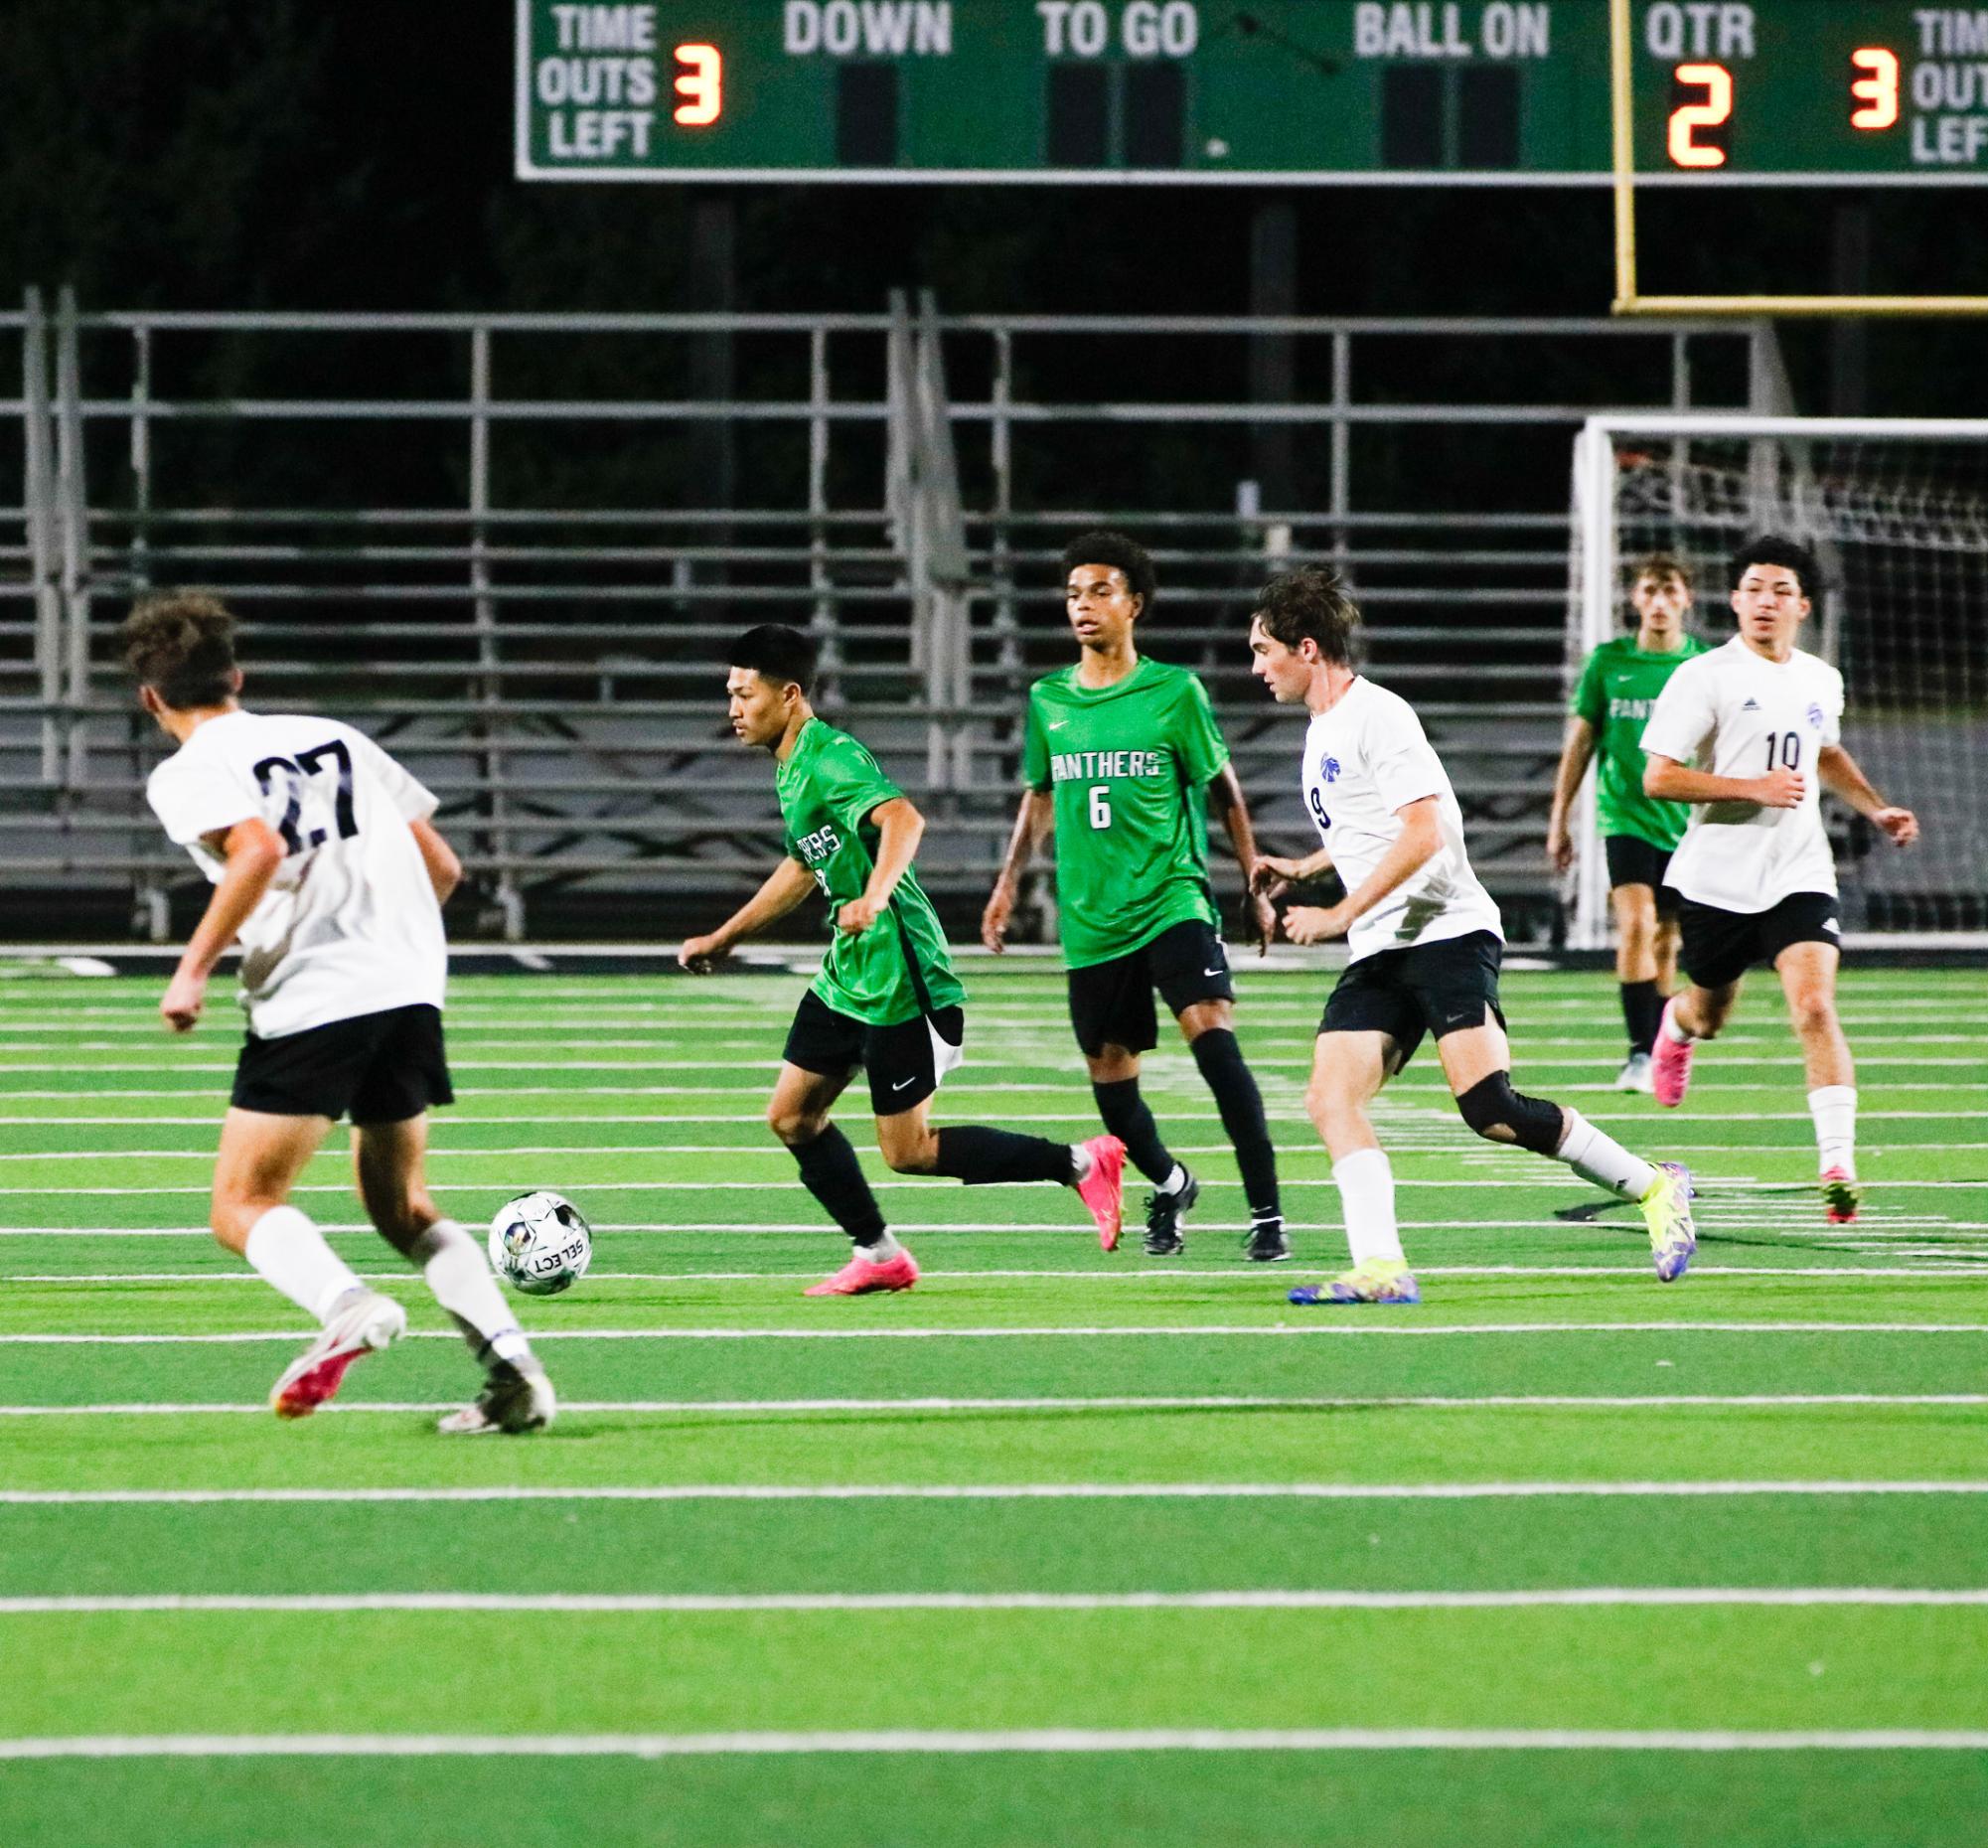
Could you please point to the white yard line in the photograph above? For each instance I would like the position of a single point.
(1463, 1144)
(1958, 1264)
(1007, 1491)
(1151, 1403)
(1328, 1324)
(1787, 1060)
(1746, 1183)
(1046, 1740)
(1872, 1224)
(1655, 1597)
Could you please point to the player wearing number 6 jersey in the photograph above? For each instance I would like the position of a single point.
(1751, 736)
(1424, 941)
(329, 873)
(1120, 756)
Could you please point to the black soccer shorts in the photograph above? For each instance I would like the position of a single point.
(375, 1067)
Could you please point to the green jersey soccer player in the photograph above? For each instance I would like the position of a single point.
(886, 998)
(1616, 694)
(1120, 754)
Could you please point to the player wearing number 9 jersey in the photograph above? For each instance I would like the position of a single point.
(1120, 756)
(328, 873)
(1751, 734)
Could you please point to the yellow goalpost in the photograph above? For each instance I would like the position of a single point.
(1628, 301)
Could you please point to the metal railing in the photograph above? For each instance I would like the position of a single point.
(541, 644)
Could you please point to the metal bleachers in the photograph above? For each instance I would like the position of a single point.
(513, 547)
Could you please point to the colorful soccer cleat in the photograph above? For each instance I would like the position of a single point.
(1379, 1280)
(367, 1323)
(1163, 1214)
(1670, 1063)
(860, 1277)
(1667, 1213)
(513, 1400)
(1103, 1188)
(1841, 1196)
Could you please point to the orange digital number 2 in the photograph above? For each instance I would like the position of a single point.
(701, 84)
(1879, 91)
(1717, 83)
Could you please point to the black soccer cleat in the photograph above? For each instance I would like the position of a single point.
(1163, 1214)
(1266, 1242)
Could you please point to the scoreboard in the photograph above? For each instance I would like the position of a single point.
(1258, 91)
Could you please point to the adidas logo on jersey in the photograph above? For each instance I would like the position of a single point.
(1750, 705)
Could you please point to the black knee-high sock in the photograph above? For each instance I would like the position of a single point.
(1642, 1009)
(1124, 1114)
(1241, 1105)
(829, 1172)
(982, 1156)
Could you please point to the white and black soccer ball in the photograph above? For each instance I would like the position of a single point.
(541, 1244)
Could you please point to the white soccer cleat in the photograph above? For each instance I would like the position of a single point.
(513, 1400)
(367, 1323)
(1636, 1074)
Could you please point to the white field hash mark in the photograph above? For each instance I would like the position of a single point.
(1329, 1324)
(1160, 1402)
(1045, 1739)
(637, 1604)
(1007, 1491)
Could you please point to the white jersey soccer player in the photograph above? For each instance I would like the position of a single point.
(1751, 734)
(329, 873)
(1424, 941)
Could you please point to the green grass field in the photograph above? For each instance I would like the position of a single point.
(1058, 1547)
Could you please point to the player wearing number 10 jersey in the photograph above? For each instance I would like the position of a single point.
(329, 871)
(1120, 755)
(1751, 734)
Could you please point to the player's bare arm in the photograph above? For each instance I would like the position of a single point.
(786, 887)
(1842, 778)
(1034, 820)
(1577, 752)
(444, 868)
(1666, 778)
(1420, 840)
(252, 852)
(899, 828)
(1275, 874)
(1226, 793)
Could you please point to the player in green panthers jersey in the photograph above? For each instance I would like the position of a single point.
(886, 998)
(1120, 756)
(1616, 693)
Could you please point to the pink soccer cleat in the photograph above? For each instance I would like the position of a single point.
(367, 1323)
(860, 1277)
(1103, 1188)
(1841, 1196)
(1670, 1063)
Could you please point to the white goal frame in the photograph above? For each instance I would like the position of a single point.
(1596, 593)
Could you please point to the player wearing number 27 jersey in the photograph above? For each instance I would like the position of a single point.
(1751, 734)
(329, 875)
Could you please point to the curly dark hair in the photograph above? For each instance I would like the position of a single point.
(1121, 553)
(1777, 548)
(182, 645)
(1313, 603)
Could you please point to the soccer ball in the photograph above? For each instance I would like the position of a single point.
(539, 1244)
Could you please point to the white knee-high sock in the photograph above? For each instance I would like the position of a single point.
(1834, 1108)
(1366, 1197)
(456, 1271)
(289, 1252)
(1603, 1160)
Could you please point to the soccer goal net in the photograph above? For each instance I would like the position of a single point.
(1896, 513)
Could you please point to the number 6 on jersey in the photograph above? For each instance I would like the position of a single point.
(1101, 805)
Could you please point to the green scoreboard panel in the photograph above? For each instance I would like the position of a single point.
(1259, 91)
